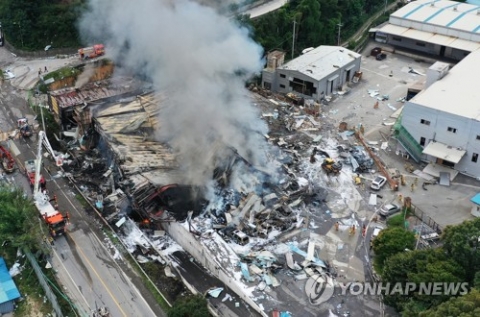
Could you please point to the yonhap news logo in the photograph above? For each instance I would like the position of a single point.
(320, 289)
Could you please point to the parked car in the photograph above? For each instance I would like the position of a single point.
(381, 56)
(378, 183)
(376, 232)
(389, 209)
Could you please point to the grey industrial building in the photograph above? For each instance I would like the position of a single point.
(315, 74)
(443, 28)
(441, 124)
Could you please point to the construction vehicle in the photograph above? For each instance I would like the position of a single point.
(8, 163)
(55, 221)
(331, 167)
(24, 127)
(92, 51)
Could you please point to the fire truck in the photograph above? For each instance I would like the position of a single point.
(46, 206)
(91, 51)
(8, 163)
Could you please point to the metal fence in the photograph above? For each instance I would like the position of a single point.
(44, 283)
(426, 219)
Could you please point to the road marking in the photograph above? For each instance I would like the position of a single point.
(71, 278)
(98, 276)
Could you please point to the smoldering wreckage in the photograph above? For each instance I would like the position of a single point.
(127, 175)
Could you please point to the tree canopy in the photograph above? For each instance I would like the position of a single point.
(19, 219)
(32, 25)
(317, 22)
(389, 242)
(462, 306)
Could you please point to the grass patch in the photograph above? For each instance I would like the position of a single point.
(398, 220)
(82, 201)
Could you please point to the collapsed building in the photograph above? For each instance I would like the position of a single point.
(252, 230)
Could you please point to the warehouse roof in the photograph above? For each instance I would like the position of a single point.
(448, 14)
(321, 61)
(458, 87)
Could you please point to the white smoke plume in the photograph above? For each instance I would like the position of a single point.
(84, 77)
(201, 60)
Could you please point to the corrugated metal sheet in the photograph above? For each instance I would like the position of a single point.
(129, 128)
(7, 307)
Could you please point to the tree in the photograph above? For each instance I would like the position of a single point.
(390, 242)
(193, 306)
(463, 306)
(462, 243)
(420, 266)
(19, 219)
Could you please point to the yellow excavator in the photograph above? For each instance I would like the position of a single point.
(331, 167)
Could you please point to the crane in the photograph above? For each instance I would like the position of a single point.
(55, 221)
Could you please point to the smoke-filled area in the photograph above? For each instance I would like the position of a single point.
(201, 60)
(85, 76)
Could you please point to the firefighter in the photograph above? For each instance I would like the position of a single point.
(337, 225)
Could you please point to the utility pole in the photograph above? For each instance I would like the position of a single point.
(385, 11)
(339, 30)
(293, 38)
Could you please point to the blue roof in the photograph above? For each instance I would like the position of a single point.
(476, 199)
(8, 289)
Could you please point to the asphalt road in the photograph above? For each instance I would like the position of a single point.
(85, 267)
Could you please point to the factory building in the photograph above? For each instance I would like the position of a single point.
(441, 124)
(317, 73)
(446, 29)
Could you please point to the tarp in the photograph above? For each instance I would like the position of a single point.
(444, 152)
(8, 289)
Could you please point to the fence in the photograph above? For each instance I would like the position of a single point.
(53, 52)
(426, 219)
(44, 283)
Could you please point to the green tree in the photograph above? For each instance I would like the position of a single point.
(193, 306)
(19, 219)
(390, 242)
(462, 243)
(420, 266)
(463, 306)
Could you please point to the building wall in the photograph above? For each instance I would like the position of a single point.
(465, 135)
(190, 244)
(425, 47)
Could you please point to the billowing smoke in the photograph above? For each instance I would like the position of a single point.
(84, 77)
(201, 60)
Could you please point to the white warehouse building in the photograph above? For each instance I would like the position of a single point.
(443, 28)
(441, 124)
(317, 73)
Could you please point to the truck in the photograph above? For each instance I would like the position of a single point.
(30, 169)
(55, 220)
(8, 163)
(91, 51)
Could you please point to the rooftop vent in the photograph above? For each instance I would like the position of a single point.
(478, 11)
(455, 8)
(432, 4)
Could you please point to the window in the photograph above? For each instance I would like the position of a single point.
(453, 130)
(474, 157)
(420, 44)
(422, 141)
(478, 137)
(425, 122)
(283, 76)
(282, 86)
(396, 38)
